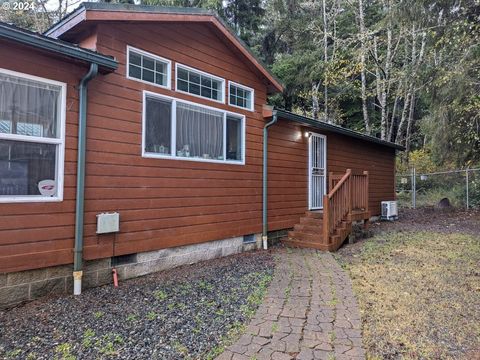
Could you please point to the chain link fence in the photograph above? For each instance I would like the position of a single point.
(460, 187)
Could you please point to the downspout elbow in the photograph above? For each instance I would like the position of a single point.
(80, 194)
(265, 180)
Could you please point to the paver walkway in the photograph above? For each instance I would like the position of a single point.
(309, 312)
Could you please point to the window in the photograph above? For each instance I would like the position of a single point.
(32, 113)
(200, 84)
(183, 130)
(240, 96)
(148, 68)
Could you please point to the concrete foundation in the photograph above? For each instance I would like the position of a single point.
(19, 287)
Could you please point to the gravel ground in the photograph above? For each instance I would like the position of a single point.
(185, 313)
(417, 282)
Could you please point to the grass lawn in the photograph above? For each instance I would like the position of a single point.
(418, 291)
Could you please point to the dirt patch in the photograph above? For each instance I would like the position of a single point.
(448, 221)
(417, 281)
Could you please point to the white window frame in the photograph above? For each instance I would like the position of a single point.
(243, 87)
(155, 57)
(200, 72)
(173, 119)
(59, 142)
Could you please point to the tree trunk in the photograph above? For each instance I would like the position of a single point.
(325, 49)
(383, 97)
(394, 113)
(362, 64)
(406, 105)
(410, 125)
(315, 103)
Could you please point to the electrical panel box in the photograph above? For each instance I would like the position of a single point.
(108, 223)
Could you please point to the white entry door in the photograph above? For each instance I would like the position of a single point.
(317, 170)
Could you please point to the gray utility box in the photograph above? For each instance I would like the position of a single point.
(108, 223)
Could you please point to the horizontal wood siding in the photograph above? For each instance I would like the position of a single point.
(34, 235)
(165, 203)
(288, 170)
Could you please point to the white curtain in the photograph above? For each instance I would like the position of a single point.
(28, 107)
(199, 132)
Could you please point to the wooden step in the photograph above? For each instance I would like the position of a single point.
(312, 229)
(311, 221)
(299, 235)
(314, 214)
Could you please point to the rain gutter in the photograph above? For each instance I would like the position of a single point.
(265, 180)
(80, 196)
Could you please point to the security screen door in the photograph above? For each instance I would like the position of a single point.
(317, 163)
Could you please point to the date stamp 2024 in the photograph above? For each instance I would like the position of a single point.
(18, 5)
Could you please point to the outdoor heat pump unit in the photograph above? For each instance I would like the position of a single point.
(389, 210)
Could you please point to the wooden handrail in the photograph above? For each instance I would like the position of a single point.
(342, 180)
(349, 194)
(337, 204)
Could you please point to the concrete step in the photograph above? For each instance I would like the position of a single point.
(318, 214)
(312, 229)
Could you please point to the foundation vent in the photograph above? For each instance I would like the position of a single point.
(248, 239)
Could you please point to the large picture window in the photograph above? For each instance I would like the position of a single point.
(198, 83)
(178, 129)
(31, 138)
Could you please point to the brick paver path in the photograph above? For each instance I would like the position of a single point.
(309, 312)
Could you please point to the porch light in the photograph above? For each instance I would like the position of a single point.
(307, 134)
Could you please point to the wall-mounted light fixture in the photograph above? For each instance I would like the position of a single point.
(307, 134)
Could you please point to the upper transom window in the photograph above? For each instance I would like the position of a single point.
(198, 83)
(147, 67)
(240, 96)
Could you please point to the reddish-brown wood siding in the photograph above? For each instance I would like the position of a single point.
(288, 170)
(164, 203)
(40, 234)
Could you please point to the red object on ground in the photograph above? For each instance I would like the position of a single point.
(115, 277)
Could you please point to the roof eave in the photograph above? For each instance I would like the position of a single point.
(51, 45)
(75, 17)
(321, 125)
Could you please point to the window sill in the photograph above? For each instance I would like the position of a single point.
(29, 199)
(241, 108)
(169, 157)
(200, 96)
